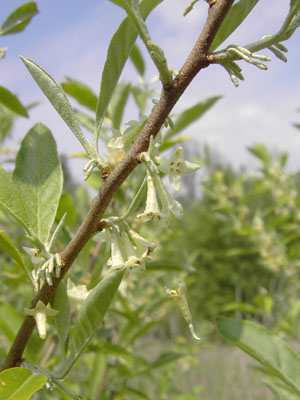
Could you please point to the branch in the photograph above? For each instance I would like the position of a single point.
(171, 93)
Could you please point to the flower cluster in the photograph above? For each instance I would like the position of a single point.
(46, 260)
(128, 249)
(47, 263)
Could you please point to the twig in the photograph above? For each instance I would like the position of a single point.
(196, 61)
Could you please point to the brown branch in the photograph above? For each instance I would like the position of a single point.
(171, 93)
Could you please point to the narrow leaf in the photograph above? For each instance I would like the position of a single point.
(19, 19)
(11, 201)
(38, 177)
(97, 374)
(60, 302)
(243, 307)
(12, 102)
(117, 55)
(117, 104)
(10, 321)
(238, 12)
(80, 92)
(131, 390)
(261, 152)
(90, 316)
(66, 205)
(167, 144)
(140, 97)
(191, 115)
(7, 245)
(20, 383)
(137, 59)
(57, 98)
(163, 359)
(270, 350)
(119, 351)
(122, 3)
(85, 120)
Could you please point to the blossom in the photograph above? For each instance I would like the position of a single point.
(103, 236)
(40, 313)
(116, 261)
(134, 260)
(127, 138)
(180, 298)
(77, 294)
(152, 210)
(35, 257)
(175, 167)
(169, 204)
(140, 242)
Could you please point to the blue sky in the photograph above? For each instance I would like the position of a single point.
(68, 38)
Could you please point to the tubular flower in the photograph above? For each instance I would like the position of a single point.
(180, 298)
(117, 260)
(77, 294)
(141, 243)
(175, 167)
(35, 257)
(40, 313)
(152, 210)
(133, 260)
(169, 204)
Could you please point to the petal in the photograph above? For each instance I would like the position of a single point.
(188, 167)
(127, 245)
(177, 156)
(139, 240)
(164, 165)
(175, 180)
(116, 143)
(41, 324)
(116, 255)
(102, 237)
(175, 208)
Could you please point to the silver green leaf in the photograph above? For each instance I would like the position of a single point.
(20, 383)
(11, 201)
(237, 14)
(12, 102)
(37, 181)
(90, 317)
(57, 98)
(270, 350)
(190, 115)
(19, 19)
(60, 302)
(118, 52)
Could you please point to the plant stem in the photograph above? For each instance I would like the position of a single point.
(196, 61)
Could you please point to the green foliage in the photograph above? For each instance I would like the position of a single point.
(91, 315)
(19, 19)
(270, 350)
(237, 248)
(137, 59)
(237, 14)
(11, 101)
(118, 52)
(57, 98)
(189, 116)
(39, 180)
(80, 92)
(20, 384)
